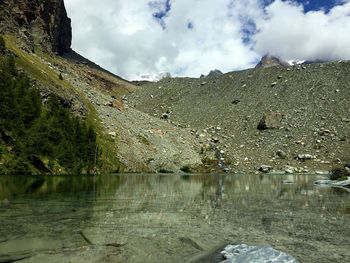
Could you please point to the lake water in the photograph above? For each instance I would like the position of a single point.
(169, 218)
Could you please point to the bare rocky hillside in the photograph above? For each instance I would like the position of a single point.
(313, 132)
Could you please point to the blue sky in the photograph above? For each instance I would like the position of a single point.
(191, 37)
(314, 5)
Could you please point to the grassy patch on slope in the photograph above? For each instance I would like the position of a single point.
(38, 67)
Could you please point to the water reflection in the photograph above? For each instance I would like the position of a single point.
(173, 218)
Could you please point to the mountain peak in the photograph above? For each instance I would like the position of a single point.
(271, 61)
(212, 73)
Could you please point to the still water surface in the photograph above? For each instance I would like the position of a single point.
(169, 218)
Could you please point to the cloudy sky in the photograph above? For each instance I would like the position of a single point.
(189, 37)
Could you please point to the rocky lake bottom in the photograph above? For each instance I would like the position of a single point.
(170, 217)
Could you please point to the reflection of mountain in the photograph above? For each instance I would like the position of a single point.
(170, 217)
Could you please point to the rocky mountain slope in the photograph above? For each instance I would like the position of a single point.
(38, 34)
(311, 102)
(181, 123)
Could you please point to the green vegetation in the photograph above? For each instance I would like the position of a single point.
(38, 139)
(42, 73)
(339, 174)
(143, 140)
(2, 45)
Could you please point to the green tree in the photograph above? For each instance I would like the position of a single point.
(2, 45)
(11, 66)
(35, 132)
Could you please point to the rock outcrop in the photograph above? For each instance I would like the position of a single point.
(271, 61)
(43, 23)
(212, 73)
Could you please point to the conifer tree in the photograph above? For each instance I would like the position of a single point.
(2, 45)
(12, 66)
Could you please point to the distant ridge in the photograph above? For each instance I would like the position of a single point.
(212, 73)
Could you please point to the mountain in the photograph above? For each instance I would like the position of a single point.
(37, 35)
(212, 73)
(271, 61)
(287, 118)
(282, 118)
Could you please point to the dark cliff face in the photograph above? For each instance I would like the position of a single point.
(44, 23)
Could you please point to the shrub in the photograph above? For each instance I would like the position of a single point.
(338, 174)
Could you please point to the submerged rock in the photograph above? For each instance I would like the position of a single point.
(334, 183)
(262, 254)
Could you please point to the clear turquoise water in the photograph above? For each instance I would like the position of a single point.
(169, 218)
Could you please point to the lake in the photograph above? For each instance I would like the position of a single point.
(169, 218)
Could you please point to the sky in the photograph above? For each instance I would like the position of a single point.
(190, 37)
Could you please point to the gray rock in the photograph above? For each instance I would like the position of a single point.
(334, 183)
(281, 154)
(290, 169)
(265, 168)
(271, 120)
(323, 182)
(303, 157)
(322, 172)
(262, 254)
(342, 183)
(113, 134)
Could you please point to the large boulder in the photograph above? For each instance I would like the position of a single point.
(262, 254)
(271, 120)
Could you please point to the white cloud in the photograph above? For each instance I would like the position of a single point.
(199, 35)
(124, 37)
(290, 33)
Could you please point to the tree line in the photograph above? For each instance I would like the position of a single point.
(37, 138)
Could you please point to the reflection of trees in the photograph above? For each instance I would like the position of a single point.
(11, 186)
